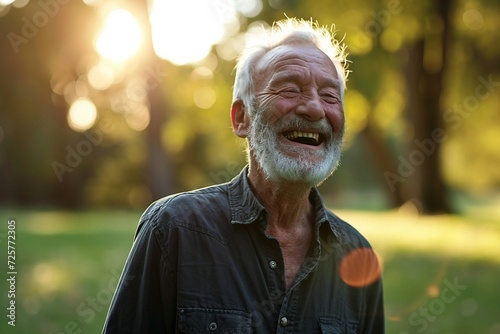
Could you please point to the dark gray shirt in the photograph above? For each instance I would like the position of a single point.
(202, 262)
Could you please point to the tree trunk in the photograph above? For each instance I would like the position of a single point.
(385, 163)
(424, 76)
(159, 166)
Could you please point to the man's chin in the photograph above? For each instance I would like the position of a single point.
(299, 172)
(294, 164)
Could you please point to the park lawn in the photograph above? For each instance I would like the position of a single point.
(68, 264)
(440, 272)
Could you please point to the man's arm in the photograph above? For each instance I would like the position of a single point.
(374, 321)
(138, 304)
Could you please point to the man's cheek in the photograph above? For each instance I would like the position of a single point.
(271, 114)
(336, 119)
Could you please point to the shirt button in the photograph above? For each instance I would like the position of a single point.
(212, 326)
(272, 264)
(284, 321)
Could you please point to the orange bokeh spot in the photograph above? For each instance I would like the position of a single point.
(433, 290)
(361, 267)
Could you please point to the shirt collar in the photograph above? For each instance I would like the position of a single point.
(246, 208)
(321, 215)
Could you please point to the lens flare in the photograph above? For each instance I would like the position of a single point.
(121, 36)
(361, 267)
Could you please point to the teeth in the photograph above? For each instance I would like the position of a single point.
(297, 134)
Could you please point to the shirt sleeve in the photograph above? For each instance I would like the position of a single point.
(138, 305)
(361, 267)
(373, 321)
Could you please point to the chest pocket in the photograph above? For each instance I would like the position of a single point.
(329, 325)
(201, 320)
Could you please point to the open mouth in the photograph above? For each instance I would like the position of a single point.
(306, 138)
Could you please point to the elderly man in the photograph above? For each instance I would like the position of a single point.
(261, 254)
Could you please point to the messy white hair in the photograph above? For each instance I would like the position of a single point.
(289, 31)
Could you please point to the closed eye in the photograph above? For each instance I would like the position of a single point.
(289, 92)
(330, 98)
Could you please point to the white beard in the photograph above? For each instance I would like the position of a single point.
(268, 151)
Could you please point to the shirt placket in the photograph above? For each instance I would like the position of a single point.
(287, 316)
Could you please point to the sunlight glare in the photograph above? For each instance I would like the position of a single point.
(184, 31)
(204, 97)
(249, 8)
(4, 10)
(20, 3)
(101, 76)
(138, 118)
(47, 278)
(121, 36)
(82, 114)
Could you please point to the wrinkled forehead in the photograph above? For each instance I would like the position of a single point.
(288, 56)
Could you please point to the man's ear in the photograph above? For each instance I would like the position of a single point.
(240, 119)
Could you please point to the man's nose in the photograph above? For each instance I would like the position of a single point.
(311, 107)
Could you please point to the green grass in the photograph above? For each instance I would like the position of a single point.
(422, 256)
(68, 263)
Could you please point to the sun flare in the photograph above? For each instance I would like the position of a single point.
(184, 31)
(121, 36)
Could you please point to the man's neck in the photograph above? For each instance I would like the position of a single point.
(288, 205)
(290, 218)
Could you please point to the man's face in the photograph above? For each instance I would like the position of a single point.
(297, 128)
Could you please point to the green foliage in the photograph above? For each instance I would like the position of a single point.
(49, 69)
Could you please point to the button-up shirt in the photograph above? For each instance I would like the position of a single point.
(202, 262)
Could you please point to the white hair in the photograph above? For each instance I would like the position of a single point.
(290, 31)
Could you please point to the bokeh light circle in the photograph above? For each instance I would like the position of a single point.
(101, 76)
(82, 114)
(204, 97)
(473, 19)
(6, 2)
(361, 267)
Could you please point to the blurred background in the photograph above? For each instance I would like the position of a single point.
(107, 105)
